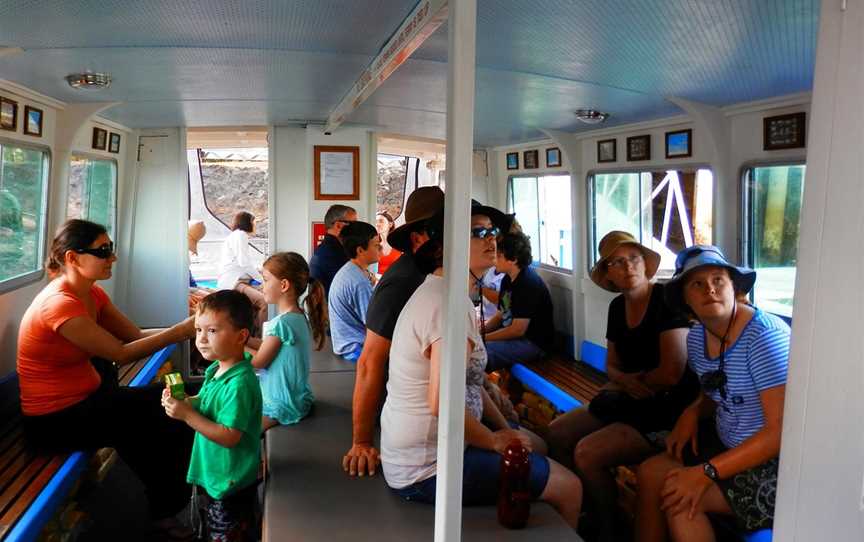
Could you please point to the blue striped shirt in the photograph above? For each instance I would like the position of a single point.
(757, 361)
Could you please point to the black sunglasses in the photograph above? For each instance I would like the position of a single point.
(103, 252)
(483, 233)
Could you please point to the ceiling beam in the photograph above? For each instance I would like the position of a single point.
(421, 23)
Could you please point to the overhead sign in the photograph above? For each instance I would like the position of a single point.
(423, 21)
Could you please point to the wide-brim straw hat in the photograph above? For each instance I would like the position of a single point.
(696, 256)
(424, 203)
(608, 245)
(197, 231)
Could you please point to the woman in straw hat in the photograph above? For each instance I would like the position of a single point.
(722, 455)
(649, 385)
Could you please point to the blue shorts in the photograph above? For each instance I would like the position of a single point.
(480, 473)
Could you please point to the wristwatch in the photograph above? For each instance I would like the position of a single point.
(710, 471)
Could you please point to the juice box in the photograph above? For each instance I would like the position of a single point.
(174, 383)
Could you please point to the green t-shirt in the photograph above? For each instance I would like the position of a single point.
(233, 400)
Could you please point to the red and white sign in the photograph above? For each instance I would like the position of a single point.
(319, 230)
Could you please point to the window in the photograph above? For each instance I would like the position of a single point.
(93, 191)
(392, 181)
(772, 207)
(23, 213)
(543, 206)
(666, 210)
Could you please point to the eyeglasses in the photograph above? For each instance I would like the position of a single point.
(483, 233)
(103, 252)
(622, 261)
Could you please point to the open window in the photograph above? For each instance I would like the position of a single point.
(92, 193)
(543, 208)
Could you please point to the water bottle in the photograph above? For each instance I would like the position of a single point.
(514, 491)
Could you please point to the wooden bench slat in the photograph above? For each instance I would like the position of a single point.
(33, 481)
(15, 477)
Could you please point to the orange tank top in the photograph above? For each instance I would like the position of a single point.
(384, 261)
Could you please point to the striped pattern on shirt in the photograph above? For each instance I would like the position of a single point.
(757, 361)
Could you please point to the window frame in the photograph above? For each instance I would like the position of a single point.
(37, 274)
(93, 157)
(545, 173)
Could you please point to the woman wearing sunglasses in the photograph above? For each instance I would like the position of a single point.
(721, 457)
(69, 393)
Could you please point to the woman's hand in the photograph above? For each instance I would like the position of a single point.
(686, 430)
(683, 490)
(185, 329)
(503, 437)
(178, 410)
(632, 384)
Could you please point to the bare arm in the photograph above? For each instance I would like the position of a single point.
(480, 436)
(491, 294)
(516, 330)
(265, 355)
(253, 343)
(493, 323)
(491, 412)
(673, 360)
(183, 411)
(629, 382)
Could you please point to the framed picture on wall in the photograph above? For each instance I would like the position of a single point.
(679, 144)
(32, 121)
(336, 172)
(783, 132)
(512, 160)
(639, 148)
(607, 150)
(114, 143)
(531, 159)
(553, 157)
(8, 114)
(100, 139)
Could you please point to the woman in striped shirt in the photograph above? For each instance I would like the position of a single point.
(721, 457)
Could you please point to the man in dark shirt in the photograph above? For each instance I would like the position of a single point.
(523, 329)
(329, 257)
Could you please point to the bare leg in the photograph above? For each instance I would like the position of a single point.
(699, 528)
(564, 492)
(267, 423)
(568, 429)
(537, 443)
(650, 520)
(613, 445)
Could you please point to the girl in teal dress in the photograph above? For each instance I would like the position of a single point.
(284, 350)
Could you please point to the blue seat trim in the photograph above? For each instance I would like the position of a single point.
(594, 355)
(148, 372)
(28, 527)
(562, 400)
(765, 535)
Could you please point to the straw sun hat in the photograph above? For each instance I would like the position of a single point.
(608, 245)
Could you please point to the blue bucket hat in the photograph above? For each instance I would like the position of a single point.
(696, 256)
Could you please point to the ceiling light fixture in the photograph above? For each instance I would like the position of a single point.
(89, 81)
(591, 116)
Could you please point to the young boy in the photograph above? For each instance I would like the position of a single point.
(226, 416)
(351, 289)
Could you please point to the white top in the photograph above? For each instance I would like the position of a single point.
(409, 431)
(234, 261)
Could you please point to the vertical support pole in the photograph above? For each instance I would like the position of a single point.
(460, 143)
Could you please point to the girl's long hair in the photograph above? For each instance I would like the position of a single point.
(292, 267)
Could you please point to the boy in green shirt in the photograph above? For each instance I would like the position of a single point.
(226, 416)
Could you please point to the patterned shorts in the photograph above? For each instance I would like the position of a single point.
(232, 518)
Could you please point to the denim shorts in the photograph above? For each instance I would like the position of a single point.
(480, 473)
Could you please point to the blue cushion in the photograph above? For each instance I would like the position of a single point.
(562, 400)
(765, 535)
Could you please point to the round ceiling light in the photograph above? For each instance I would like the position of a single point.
(591, 116)
(89, 81)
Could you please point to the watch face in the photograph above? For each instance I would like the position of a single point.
(710, 471)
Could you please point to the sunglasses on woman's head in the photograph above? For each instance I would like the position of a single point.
(103, 252)
(483, 233)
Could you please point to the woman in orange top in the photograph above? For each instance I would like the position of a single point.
(384, 224)
(69, 393)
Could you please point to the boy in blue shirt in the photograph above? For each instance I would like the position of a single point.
(226, 416)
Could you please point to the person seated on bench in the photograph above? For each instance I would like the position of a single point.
(351, 289)
(226, 417)
(722, 456)
(329, 257)
(71, 400)
(286, 348)
(649, 384)
(236, 269)
(522, 331)
(409, 420)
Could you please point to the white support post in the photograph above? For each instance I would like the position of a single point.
(460, 143)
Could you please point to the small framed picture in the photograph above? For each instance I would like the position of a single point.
(783, 132)
(638, 148)
(553, 157)
(679, 144)
(512, 160)
(607, 150)
(100, 139)
(531, 159)
(8, 114)
(114, 143)
(32, 121)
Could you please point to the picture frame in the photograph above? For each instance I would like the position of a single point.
(679, 144)
(530, 159)
(114, 143)
(336, 172)
(639, 148)
(8, 114)
(512, 160)
(607, 150)
(784, 132)
(100, 139)
(32, 121)
(553, 157)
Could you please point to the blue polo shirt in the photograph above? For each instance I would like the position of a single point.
(348, 303)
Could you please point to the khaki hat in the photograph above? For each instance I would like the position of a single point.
(424, 203)
(608, 245)
(197, 231)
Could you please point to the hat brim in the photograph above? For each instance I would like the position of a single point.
(600, 271)
(743, 278)
(498, 218)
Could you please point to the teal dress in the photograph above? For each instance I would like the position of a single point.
(285, 384)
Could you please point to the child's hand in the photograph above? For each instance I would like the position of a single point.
(179, 410)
